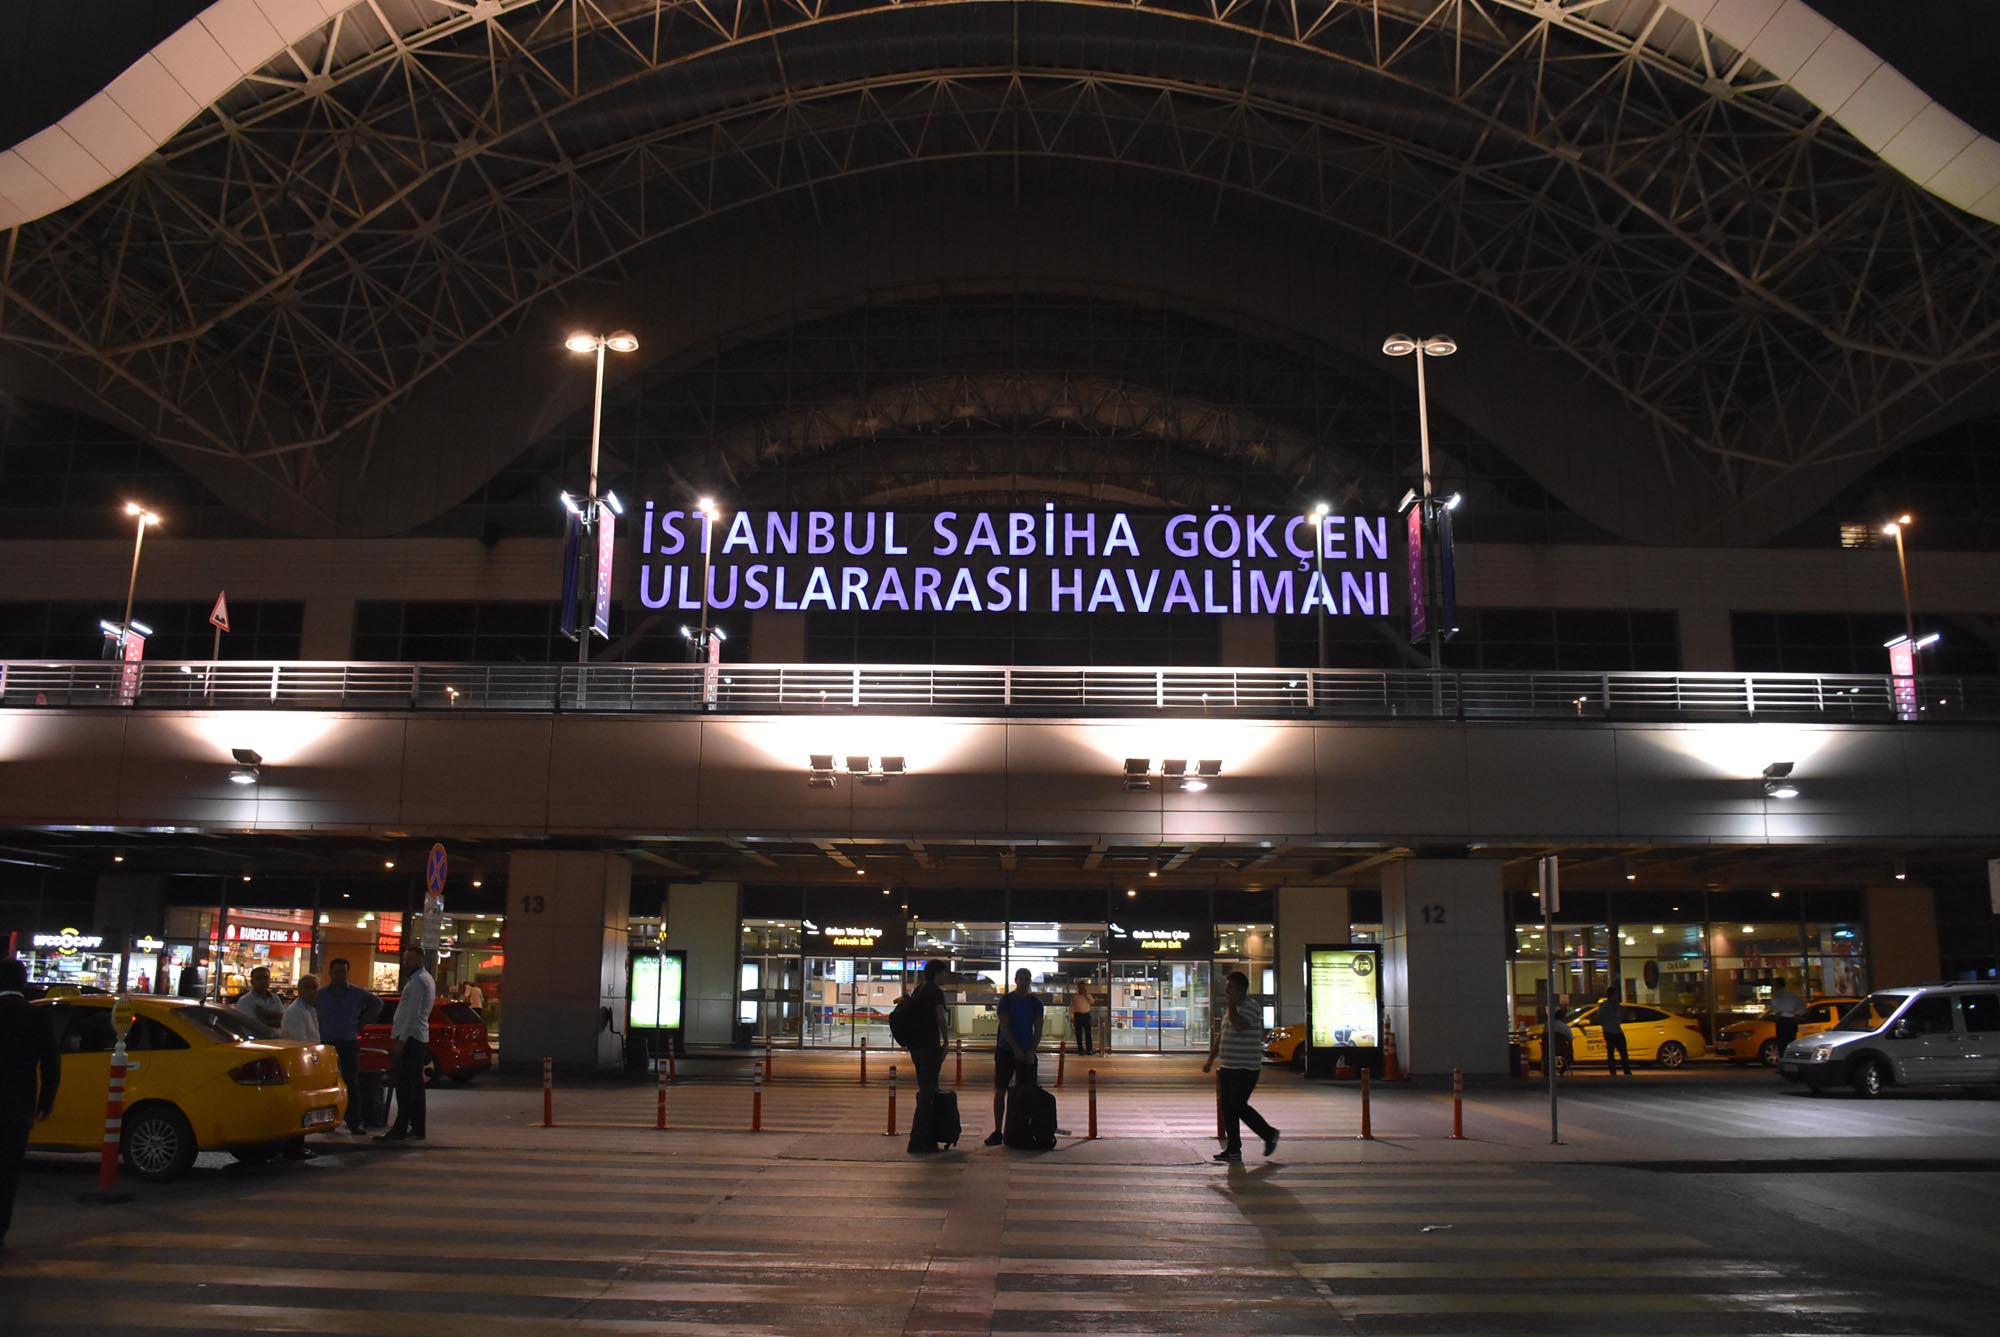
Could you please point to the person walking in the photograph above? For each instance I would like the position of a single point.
(1787, 1010)
(1237, 1038)
(1081, 1005)
(301, 1021)
(260, 1002)
(1611, 1018)
(343, 1011)
(409, 1036)
(29, 1075)
(1019, 1014)
(927, 1057)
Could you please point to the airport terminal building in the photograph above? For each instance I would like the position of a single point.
(1132, 491)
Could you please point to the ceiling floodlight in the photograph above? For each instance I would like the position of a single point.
(857, 765)
(1902, 871)
(892, 766)
(1777, 770)
(1191, 785)
(244, 775)
(249, 756)
(1138, 765)
(1209, 768)
(822, 761)
(617, 506)
(1780, 789)
(622, 341)
(820, 780)
(1173, 767)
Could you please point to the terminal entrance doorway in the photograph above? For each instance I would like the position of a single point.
(1159, 1005)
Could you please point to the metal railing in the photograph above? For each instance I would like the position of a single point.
(761, 689)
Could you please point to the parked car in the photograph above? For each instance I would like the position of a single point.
(1286, 1044)
(1652, 1035)
(201, 1079)
(460, 1048)
(1756, 1040)
(1924, 1036)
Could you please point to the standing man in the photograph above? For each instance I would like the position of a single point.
(475, 997)
(1788, 1010)
(1081, 1005)
(409, 1037)
(1238, 1037)
(29, 1075)
(1020, 1033)
(1611, 1017)
(927, 1055)
(259, 1003)
(302, 1014)
(343, 1011)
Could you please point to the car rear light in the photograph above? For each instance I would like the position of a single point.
(259, 1072)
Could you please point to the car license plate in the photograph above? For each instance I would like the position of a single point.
(314, 1118)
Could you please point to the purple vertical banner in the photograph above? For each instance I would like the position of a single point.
(607, 530)
(1903, 668)
(128, 675)
(1447, 574)
(572, 555)
(1419, 613)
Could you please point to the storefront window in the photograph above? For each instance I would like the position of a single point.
(1750, 959)
(772, 971)
(1250, 949)
(1835, 963)
(1582, 961)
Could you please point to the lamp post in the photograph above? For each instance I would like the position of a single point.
(1437, 345)
(707, 508)
(618, 341)
(1317, 518)
(145, 518)
(1895, 528)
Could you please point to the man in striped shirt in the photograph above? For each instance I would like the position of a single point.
(1238, 1036)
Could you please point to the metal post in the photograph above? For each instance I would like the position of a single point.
(660, 1092)
(132, 584)
(701, 634)
(1551, 883)
(890, 1130)
(958, 1075)
(1093, 1105)
(1062, 1052)
(590, 503)
(1319, 569)
(1902, 566)
(548, 1093)
(757, 1098)
(1367, 1125)
(864, 1060)
(1457, 1105)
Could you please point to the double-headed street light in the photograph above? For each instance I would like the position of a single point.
(1437, 345)
(1895, 528)
(618, 341)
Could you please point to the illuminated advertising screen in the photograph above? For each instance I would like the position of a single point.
(1343, 997)
(656, 991)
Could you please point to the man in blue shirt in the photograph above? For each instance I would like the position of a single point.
(1020, 1017)
(343, 1011)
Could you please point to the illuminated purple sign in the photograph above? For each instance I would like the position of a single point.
(1032, 561)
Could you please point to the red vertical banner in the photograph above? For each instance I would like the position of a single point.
(1419, 609)
(1903, 668)
(133, 651)
(607, 531)
(711, 673)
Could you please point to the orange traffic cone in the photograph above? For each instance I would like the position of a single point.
(1392, 1068)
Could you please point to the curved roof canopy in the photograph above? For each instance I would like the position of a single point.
(1706, 261)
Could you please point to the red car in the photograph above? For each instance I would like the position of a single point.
(459, 1046)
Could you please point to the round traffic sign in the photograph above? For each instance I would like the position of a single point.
(123, 1014)
(434, 871)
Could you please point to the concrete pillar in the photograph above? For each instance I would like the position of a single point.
(1248, 642)
(777, 638)
(328, 628)
(1444, 956)
(126, 906)
(1307, 917)
(703, 920)
(1902, 935)
(1707, 643)
(567, 914)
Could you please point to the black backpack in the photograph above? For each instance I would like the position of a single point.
(910, 1022)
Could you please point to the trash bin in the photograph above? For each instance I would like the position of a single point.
(740, 1037)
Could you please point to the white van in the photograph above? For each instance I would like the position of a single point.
(1922, 1036)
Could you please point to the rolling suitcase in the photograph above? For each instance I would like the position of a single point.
(1031, 1119)
(945, 1128)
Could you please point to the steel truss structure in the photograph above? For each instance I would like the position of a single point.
(392, 196)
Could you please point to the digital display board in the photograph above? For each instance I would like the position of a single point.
(656, 991)
(1343, 997)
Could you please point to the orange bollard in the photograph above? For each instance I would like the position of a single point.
(958, 1076)
(890, 1131)
(548, 1093)
(864, 1060)
(770, 1069)
(1367, 1130)
(757, 1098)
(1458, 1104)
(114, 1123)
(660, 1089)
(1093, 1105)
(1062, 1048)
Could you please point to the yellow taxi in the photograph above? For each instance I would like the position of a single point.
(1283, 1044)
(201, 1078)
(1652, 1035)
(1756, 1040)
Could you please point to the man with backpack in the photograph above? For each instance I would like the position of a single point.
(920, 1024)
(1020, 1032)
